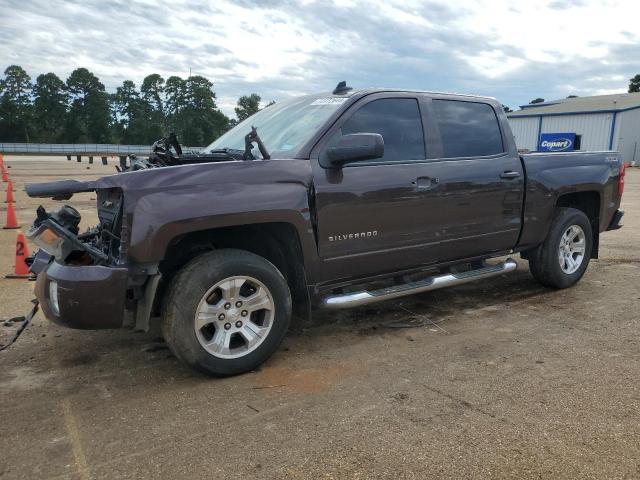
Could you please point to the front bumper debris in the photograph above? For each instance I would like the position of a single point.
(57, 234)
(25, 322)
(88, 297)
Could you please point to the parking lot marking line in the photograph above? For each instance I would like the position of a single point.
(76, 444)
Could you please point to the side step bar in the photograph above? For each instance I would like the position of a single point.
(356, 299)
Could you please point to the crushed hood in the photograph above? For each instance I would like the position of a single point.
(181, 178)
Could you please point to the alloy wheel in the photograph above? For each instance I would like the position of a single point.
(572, 249)
(234, 317)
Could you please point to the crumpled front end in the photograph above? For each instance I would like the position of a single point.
(58, 233)
(81, 277)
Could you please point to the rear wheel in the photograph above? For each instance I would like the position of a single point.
(562, 259)
(227, 312)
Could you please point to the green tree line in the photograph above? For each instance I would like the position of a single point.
(80, 110)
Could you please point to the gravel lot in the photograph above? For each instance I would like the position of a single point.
(500, 379)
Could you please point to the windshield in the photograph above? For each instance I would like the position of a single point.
(283, 127)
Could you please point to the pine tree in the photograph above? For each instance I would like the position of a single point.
(89, 112)
(15, 105)
(49, 108)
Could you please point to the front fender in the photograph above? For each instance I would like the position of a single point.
(216, 206)
(161, 204)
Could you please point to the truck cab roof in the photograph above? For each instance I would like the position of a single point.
(370, 90)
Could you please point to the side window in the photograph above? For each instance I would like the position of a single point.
(398, 121)
(468, 129)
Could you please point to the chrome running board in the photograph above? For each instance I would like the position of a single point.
(356, 299)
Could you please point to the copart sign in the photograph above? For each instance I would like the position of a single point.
(556, 142)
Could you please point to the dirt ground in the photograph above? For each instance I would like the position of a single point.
(500, 379)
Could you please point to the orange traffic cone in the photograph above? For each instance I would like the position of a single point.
(12, 221)
(5, 177)
(21, 269)
(1, 160)
(9, 193)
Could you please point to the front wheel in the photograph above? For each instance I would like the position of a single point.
(562, 259)
(227, 312)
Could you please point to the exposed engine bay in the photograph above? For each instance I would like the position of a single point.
(58, 234)
(167, 152)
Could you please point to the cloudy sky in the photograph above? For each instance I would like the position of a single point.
(512, 50)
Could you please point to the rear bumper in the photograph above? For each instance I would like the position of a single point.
(89, 297)
(615, 221)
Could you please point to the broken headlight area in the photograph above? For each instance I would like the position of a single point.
(58, 234)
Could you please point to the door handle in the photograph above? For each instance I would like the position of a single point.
(424, 183)
(510, 175)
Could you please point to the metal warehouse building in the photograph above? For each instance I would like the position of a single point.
(605, 122)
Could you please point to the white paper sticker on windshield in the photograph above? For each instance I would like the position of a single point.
(329, 101)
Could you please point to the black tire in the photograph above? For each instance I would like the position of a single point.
(187, 290)
(544, 262)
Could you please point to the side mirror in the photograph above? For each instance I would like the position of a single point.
(356, 146)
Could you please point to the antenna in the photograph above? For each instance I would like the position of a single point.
(341, 88)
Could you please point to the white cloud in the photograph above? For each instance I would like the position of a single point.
(514, 51)
(493, 63)
(550, 32)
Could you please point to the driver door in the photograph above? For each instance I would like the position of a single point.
(373, 215)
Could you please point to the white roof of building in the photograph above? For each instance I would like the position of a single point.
(606, 103)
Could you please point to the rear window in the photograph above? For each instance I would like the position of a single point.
(468, 129)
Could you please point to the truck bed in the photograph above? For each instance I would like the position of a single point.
(592, 175)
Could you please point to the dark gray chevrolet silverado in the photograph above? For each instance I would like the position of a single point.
(351, 197)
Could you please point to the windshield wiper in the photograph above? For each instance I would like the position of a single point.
(227, 152)
(251, 137)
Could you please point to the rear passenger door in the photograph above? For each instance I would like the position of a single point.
(477, 206)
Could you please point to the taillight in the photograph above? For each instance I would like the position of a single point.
(621, 179)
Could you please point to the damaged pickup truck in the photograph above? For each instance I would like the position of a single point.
(350, 197)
